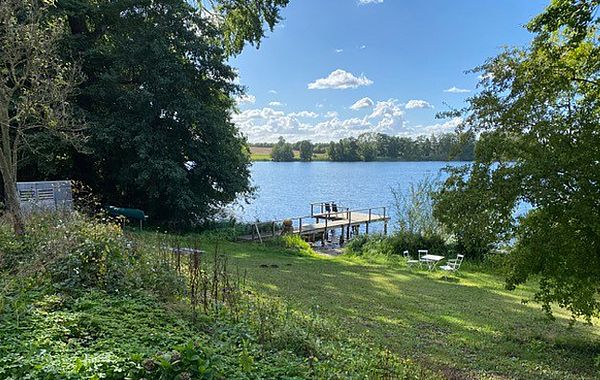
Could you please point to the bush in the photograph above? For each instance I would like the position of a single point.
(397, 243)
(75, 253)
(293, 244)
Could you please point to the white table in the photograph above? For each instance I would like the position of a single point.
(432, 260)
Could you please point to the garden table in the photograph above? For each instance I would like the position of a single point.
(432, 260)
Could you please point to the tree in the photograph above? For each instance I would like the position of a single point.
(537, 114)
(241, 21)
(282, 151)
(159, 97)
(306, 150)
(35, 87)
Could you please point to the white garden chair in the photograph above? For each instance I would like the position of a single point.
(453, 265)
(409, 260)
(423, 252)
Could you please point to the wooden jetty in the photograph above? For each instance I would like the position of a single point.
(324, 217)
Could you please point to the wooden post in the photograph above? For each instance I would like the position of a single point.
(300, 227)
(312, 207)
(384, 223)
(324, 233)
(349, 225)
(367, 224)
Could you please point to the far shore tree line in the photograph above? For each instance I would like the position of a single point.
(380, 147)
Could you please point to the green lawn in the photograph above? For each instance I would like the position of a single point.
(466, 326)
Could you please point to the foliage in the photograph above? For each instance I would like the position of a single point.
(370, 147)
(292, 244)
(241, 21)
(282, 151)
(36, 87)
(414, 209)
(397, 243)
(306, 150)
(158, 95)
(76, 253)
(537, 114)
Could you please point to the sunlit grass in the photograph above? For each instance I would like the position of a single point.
(467, 323)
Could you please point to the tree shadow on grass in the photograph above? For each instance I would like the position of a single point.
(468, 324)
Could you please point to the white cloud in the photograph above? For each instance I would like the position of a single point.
(267, 124)
(436, 129)
(365, 2)
(272, 92)
(309, 114)
(362, 103)
(456, 90)
(339, 50)
(246, 99)
(415, 103)
(319, 105)
(340, 79)
(361, 47)
(277, 104)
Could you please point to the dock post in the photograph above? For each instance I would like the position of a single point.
(324, 233)
(349, 225)
(384, 222)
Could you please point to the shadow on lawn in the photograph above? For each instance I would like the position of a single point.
(466, 326)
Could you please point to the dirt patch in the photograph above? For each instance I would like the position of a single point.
(328, 251)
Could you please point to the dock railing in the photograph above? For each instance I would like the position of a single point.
(344, 217)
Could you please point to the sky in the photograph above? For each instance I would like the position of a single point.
(339, 68)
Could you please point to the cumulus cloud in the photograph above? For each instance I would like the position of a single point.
(365, 2)
(276, 104)
(365, 102)
(246, 99)
(415, 103)
(309, 114)
(456, 90)
(340, 79)
(436, 129)
(339, 50)
(267, 124)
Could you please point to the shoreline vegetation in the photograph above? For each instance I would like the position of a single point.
(370, 147)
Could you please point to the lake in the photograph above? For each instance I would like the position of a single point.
(286, 189)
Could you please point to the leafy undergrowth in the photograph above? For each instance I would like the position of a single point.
(81, 301)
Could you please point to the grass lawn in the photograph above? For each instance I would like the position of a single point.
(466, 326)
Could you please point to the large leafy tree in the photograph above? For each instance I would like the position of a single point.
(35, 87)
(158, 98)
(538, 114)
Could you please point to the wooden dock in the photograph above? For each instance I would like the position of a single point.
(324, 217)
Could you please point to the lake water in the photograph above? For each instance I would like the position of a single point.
(286, 189)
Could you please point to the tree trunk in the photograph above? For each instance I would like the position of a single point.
(14, 205)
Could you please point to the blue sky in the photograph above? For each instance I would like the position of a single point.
(339, 68)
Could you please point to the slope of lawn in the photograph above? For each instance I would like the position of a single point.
(466, 326)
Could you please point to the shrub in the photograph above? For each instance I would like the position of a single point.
(397, 243)
(293, 244)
